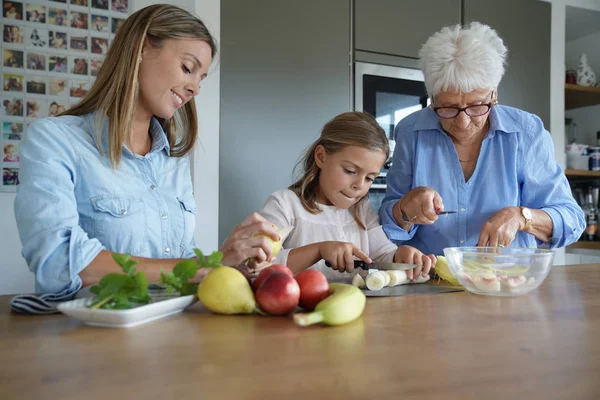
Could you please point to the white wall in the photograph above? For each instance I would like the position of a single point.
(16, 277)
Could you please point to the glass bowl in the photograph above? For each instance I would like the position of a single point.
(499, 271)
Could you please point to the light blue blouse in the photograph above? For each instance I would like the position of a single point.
(516, 167)
(71, 204)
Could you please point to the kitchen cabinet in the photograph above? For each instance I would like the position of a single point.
(577, 96)
(285, 71)
(524, 26)
(400, 27)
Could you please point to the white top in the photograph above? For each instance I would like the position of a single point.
(284, 209)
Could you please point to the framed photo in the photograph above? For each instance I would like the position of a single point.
(95, 65)
(12, 130)
(57, 64)
(10, 176)
(36, 37)
(99, 46)
(79, 43)
(57, 40)
(116, 23)
(11, 153)
(12, 83)
(12, 10)
(99, 23)
(58, 87)
(79, 88)
(12, 58)
(121, 6)
(57, 16)
(100, 4)
(79, 20)
(36, 85)
(56, 107)
(36, 61)
(12, 107)
(78, 65)
(36, 108)
(12, 34)
(35, 13)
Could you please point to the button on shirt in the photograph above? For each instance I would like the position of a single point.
(516, 167)
(71, 204)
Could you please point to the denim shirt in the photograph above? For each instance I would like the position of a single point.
(71, 204)
(516, 167)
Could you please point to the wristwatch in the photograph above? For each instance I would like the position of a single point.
(528, 215)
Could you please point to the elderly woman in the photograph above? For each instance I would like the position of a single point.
(492, 164)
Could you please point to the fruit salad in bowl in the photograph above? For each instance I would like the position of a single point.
(499, 271)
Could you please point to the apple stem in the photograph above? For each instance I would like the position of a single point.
(308, 318)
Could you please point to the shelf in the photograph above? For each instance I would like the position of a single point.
(585, 245)
(581, 173)
(580, 96)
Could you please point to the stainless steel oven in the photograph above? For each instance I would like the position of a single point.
(389, 93)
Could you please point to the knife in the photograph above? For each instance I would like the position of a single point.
(405, 217)
(380, 265)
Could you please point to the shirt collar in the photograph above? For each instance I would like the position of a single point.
(500, 120)
(157, 133)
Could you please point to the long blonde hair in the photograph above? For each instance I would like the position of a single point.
(348, 129)
(114, 93)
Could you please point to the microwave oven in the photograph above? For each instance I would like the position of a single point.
(389, 93)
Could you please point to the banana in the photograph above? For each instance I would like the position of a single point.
(377, 280)
(397, 278)
(358, 281)
(344, 304)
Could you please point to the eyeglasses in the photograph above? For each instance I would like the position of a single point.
(476, 110)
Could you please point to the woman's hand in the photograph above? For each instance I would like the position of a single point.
(242, 244)
(501, 228)
(341, 255)
(410, 255)
(420, 205)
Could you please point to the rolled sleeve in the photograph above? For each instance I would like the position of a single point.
(55, 247)
(545, 186)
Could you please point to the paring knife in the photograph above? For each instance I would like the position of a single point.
(405, 217)
(446, 212)
(380, 265)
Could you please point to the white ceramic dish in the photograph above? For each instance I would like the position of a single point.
(161, 306)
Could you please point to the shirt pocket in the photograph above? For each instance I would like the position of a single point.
(119, 222)
(188, 209)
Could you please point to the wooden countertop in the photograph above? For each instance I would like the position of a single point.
(545, 345)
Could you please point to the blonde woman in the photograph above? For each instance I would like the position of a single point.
(112, 174)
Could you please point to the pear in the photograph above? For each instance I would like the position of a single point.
(226, 290)
(275, 244)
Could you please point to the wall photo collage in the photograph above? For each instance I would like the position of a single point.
(51, 54)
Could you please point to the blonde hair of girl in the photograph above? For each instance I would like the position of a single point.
(115, 90)
(348, 129)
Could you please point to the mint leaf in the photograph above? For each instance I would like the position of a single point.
(185, 270)
(215, 258)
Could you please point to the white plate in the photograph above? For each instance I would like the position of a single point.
(161, 306)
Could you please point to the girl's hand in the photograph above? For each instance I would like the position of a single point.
(242, 244)
(341, 255)
(502, 227)
(420, 205)
(410, 255)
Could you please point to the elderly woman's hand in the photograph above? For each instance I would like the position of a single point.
(243, 244)
(420, 206)
(501, 228)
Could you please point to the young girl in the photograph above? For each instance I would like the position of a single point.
(328, 207)
(11, 154)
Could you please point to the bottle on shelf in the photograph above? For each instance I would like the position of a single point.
(589, 208)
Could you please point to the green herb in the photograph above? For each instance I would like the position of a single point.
(118, 291)
(177, 280)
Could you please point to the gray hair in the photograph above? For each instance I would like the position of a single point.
(463, 59)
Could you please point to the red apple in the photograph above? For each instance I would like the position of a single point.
(278, 294)
(313, 288)
(268, 271)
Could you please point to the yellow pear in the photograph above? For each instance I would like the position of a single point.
(275, 244)
(226, 290)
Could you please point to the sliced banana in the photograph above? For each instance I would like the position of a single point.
(377, 280)
(358, 281)
(397, 278)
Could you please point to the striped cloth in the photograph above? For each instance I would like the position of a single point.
(41, 304)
